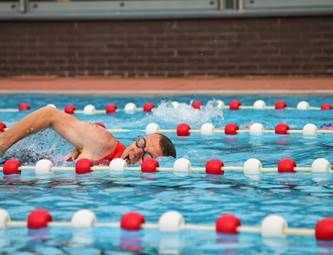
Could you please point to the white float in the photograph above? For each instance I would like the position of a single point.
(252, 166)
(83, 219)
(256, 129)
(117, 164)
(273, 226)
(175, 104)
(303, 105)
(259, 105)
(171, 221)
(152, 128)
(207, 129)
(310, 129)
(4, 218)
(43, 166)
(89, 109)
(130, 108)
(182, 165)
(320, 165)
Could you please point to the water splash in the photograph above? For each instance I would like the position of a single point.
(45, 144)
(165, 113)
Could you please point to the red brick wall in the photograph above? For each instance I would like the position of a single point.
(221, 47)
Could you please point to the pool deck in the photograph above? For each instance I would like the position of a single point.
(151, 86)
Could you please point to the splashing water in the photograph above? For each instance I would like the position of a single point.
(166, 113)
(168, 117)
(45, 144)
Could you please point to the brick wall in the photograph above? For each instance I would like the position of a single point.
(219, 47)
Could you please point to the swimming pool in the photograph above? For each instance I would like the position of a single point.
(301, 198)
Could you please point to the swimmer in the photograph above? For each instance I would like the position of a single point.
(89, 140)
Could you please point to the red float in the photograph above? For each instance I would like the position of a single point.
(3, 126)
(148, 107)
(231, 129)
(281, 129)
(326, 107)
(227, 224)
(70, 109)
(149, 165)
(132, 221)
(214, 166)
(39, 218)
(11, 166)
(83, 166)
(286, 165)
(183, 129)
(324, 229)
(280, 104)
(24, 107)
(196, 104)
(234, 105)
(111, 108)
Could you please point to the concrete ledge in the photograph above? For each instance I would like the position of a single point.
(192, 85)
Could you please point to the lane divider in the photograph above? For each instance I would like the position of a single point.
(131, 107)
(251, 166)
(172, 221)
(254, 129)
(184, 129)
(279, 105)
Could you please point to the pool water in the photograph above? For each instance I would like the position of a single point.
(301, 198)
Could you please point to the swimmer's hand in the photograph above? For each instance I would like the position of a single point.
(74, 155)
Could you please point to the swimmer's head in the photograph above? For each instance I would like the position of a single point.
(150, 146)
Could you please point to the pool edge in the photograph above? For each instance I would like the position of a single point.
(167, 86)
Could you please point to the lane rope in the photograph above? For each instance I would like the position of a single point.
(251, 166)
(255, 129)
(184, 129)
(131, 107)
(172, 221)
